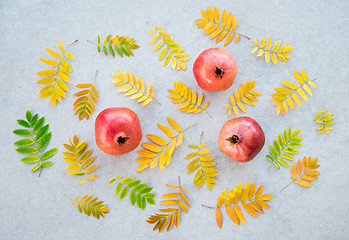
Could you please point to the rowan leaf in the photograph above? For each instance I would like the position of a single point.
(188, 99)
(324, 120)
(88, 205)
(274, 53)
(54, 87)
(218, 25)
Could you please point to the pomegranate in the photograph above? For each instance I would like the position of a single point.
(118, 130)
(241, 139)
(215, 69)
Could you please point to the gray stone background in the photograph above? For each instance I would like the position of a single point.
(37, 208)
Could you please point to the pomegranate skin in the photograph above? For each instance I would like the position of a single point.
(250, 140)
(215, 69)
(117, 130)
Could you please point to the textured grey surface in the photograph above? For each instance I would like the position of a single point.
(37, 208)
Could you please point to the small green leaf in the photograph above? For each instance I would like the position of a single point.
(139, 200)
(295, 144)
(117, 49)
(272, 151)
(22, 132)
(23, 123)
(143, 203)
(139, 187)
(111, 181)
(111, 50)
(145, 190)
(193, 146)
(30, 159)
(283, 162)
(126, 180)
(270, 158)
(296, 139)
(296, 133)
(118, 189)
(99, 47)
(38, 124)
(28, 116)
(44, 141)
(26, 150)
(41, 132)
(280, 140)
(133, 198)
(105, 50)
(289, 134)
(151, 201)
(36, 167)
(149, 195)
(24, 142)
(46, 164)
(285, 137)
(123, 192)
(287, 156)
(276, 146)
(291, 150)
(48, 153)
(34, 119)
(133, 183)
(277, 164)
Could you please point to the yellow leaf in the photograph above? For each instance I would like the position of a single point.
(254, 49)
(216, 14)
(233, 23)
(204, 14)
(245, 191)
(259, 191)
(276, 46)
(274, 58)
(302, 94)
(237, 37)
(232, 215)
(47, 73)
(46, 80)
(251, 191)
(229, 20)
(262, 44)
(158, 45)
(298, 77)
(60, 45)
(183, 207)
(228, 39)
(307, 89)
(260, 52)
(224, 17)
(53, 53)
(216, 32)
(151, 147)
(166, 130)
(169, 202)
(296, 99)
(289, 84)
(179, 139)
(241, 106)
(249, 209)
(219, 217)
(210, 14)
(155, 36)
(290, 103)
(302, 183)
(69, 55)
(221, 198)
(156, 139)
(239, 214)
(49, 62)
(267, 56)
(171, 195)
(268, 44)
(237, 193)
(236, 111)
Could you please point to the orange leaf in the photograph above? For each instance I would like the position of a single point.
(239, 213)
(221, 198)
(251, 192)
(177, 214)
(309, 177)
(299, 167)
(169, 202)
(183, 207)
(232, 215)
(266, 197)
(245, 191)
(302, 183)
(219, 217)
(249, 209)
(259, 191)
(262, 203)
(293, 171)
(256, 206)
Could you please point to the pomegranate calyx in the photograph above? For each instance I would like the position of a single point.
(122, 140)
(219, 72)
(233, 139)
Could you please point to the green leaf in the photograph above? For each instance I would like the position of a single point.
(41, 132)
(22, 132)
(112, 181)
(28, 116)
(280, 140)
(23, 123)
(139, 187)
(24, 142)
(277, 164)
(291, 150)
(133, 198)
(118, 189)
(26, 150)
(44, 141)
(30, 159)
(143, 203)
(285, 137)
(151, 201)
(111, 50)
(99, 47)
(296, 139)
(139, 200)
(34, 119)
(105, 50)
(193, 146)
(117, 49)
(283, 162)
(272, 151)
(149, 195)
(123, 192)
(49, 153)
(276, 146)
(295, 144)
(145, 190)
(124, 50)
(38, 124)
(287, 156)
(289, 133)
(296, 133)
(133, 183)
(270, 158)
(46, 164)
(36, 167)
(126, 180)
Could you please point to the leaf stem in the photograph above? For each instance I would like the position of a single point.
(287, 185)
(91, 42)
(69, 197)
(38, 152)
(229, 30)
(72, 43)
(94, 79)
